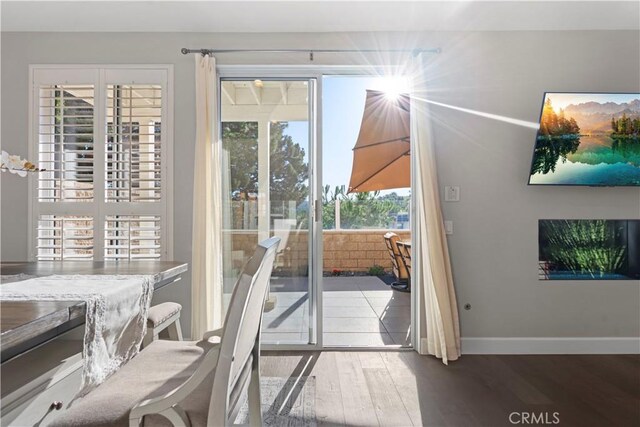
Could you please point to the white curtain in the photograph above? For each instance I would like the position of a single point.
(206, 264)
(441, 337)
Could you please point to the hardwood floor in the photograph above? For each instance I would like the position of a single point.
(402, 388)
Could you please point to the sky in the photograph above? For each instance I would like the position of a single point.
(561, 100)
(342, 107)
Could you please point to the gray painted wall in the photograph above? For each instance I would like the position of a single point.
(494, 248)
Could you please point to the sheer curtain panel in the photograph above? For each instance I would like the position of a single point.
(206, 264)
(441, 336)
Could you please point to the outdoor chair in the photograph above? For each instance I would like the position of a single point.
(190, 383)
(399, 268)
(283, 228)
(405, 253)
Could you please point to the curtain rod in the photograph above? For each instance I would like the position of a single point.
(414, 52)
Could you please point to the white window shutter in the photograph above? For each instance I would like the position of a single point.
(100, 135)
(66, 143)
(132, 237)
(134, 143)
(65, 237)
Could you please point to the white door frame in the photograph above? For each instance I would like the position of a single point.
(251, 72)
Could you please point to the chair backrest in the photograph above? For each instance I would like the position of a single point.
(240, 340)
(405, 252)
(399, 270)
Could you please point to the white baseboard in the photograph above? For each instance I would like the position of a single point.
(535, 345)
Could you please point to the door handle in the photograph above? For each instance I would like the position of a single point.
(317, 210)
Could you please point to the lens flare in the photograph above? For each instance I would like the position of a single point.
(517, 122)
(394, 86)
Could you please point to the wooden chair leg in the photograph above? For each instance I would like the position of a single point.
(174, 330)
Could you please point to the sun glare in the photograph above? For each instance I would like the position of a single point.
(394, 86)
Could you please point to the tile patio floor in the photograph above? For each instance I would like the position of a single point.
(359, 311)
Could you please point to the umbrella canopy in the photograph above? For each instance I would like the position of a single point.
(381, 156)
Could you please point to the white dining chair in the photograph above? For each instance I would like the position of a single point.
(163, 316)
(190, 383)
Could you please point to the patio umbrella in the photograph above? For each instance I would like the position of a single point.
(381, 155)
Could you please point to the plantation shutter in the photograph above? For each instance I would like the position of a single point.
(63, 237)
(100, 135)
(132, 237)
(134, 143)
(66, 142)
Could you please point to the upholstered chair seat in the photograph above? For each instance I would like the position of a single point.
(155, 371)
(163, 316)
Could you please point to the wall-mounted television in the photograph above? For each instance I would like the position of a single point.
(590, 139)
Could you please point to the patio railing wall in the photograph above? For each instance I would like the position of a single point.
(344, 250)
(336, 215)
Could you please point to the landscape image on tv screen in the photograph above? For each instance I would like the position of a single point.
(588, 139)
(588, 249)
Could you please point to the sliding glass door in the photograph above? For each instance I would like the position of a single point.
(267, 129)
(287, 167)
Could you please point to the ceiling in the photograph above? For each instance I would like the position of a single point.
(265, 100)
(258, 92)
(317, 16)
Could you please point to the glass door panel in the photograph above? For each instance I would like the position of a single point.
(265, 128)
(360, 308)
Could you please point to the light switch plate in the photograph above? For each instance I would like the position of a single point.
(448, 227)
(451, 194)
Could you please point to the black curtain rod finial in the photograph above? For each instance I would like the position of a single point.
(202, 52)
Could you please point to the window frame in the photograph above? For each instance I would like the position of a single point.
(99, 208)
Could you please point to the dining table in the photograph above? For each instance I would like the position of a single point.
(41, 342)
(25, 325)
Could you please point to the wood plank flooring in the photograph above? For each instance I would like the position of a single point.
(402, 388)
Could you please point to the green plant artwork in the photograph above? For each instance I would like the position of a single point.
(587, 249)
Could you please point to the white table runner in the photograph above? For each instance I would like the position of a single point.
(116, 319)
